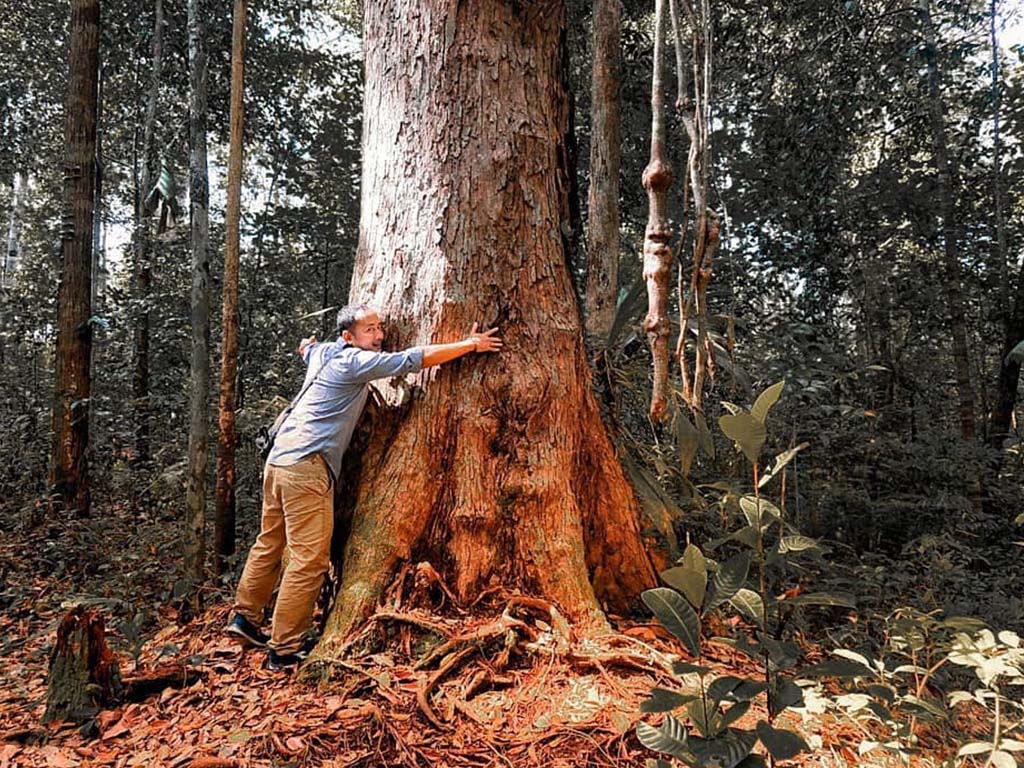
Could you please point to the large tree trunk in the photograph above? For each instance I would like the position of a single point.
(69, 477)
(950, 228)
(501, 471)
(605, 154)
(224, 520)
(199, 198)
(143, 246)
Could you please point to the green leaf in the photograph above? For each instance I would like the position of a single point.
(703, 717)
(786, 693)
(691, 577)
(780, 462)
(734, 713)
(781, 653)
(687, 441)
(766, 400)
(838, 599)
(841, 668)
(707, 442)
(669, 738)
(749, 604)
(689, 668)
(759, 511)
(664, 700)
(729, 579)
(627, 310)
(797, 544)
(780, 743)
(726, 751)
(1002, 759)
(747, 432)
(676, 615)
(732, 688)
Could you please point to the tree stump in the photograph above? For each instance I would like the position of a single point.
(83, 671)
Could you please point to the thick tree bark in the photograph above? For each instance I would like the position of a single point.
(950, 227)
(199, 200)
(142, 250)
(657, 179)
(83, 672)
(224, 520)
(605, 155)
(500, 472)
(69, 476)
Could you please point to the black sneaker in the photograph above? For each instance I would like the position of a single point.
(278, 661)
(247, 632)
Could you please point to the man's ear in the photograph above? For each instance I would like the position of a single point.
(346, 336)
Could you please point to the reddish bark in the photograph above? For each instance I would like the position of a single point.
(83, 670)
(501, 471)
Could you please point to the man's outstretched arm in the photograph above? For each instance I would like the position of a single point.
(438, 354)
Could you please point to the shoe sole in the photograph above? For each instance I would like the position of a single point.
(240, 637)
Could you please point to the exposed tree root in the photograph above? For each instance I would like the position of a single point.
(138, 687)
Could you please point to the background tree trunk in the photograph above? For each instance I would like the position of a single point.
(199, 198)
(657, 179)
(69, 477)
(501, 471)
(950, 227)
(224, 521)
(143, 247)
(19, 190)
(605, 155)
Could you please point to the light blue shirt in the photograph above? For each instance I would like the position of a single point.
(325, 416)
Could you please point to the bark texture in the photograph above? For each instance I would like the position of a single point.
(605, 156)
(199, 200)
(950, 227)
(224, 521)
(69, 477)
(657, 179)
(83, 673)
(500, 472)
(142, 251)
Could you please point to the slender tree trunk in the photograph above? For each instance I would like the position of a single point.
(224, 522)
(143, 246)
(19, 189)
(500, 471)
(950, 227)
(69, 477)
(199, 199)
(98, 265)
(1008, 380)
(657, 179)
(605, 154)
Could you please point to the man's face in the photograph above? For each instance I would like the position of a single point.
(366, 333)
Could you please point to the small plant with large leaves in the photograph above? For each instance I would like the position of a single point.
(698, 584)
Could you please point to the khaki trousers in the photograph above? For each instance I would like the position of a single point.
(298, 516)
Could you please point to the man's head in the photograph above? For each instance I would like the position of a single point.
(360, 326)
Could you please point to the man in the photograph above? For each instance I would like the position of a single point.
(303, 467)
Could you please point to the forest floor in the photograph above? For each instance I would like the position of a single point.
(575, 707)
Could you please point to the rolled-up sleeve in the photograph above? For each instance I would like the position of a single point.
(365, 366)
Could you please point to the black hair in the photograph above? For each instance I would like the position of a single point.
(350, 314)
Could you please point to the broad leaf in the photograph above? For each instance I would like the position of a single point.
(691, 577)
(1016, 354)
(726, 751)
(703, 716)
(707, 442)
(766, 400)
(747, 432)
(688, 668)
(687, 441)
(841, 668)
(780, 743)
(669, 738)
(729, 579)
(1002, 759)
(734, 713)
(780, 462)
(628, 309)
(676, 615)
(785, 693)
(838, 599)
(797, 544)
(781, 653)
(759, 511)
(749, 604)
(664, 700)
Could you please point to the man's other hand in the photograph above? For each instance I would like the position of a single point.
(305, 343)
(486, 341)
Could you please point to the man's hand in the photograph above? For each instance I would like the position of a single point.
(305, 343)
(486, 341)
